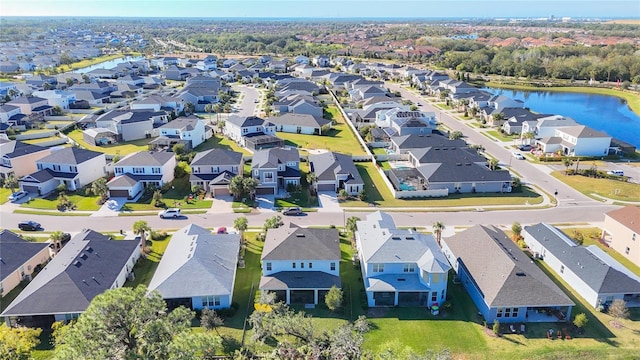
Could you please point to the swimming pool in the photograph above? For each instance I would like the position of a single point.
(406, 187)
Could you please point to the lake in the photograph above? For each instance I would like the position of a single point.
(601, 112)
(108, 64)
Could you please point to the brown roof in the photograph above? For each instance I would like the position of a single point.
(628, 216)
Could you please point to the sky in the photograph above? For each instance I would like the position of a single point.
(323, 8)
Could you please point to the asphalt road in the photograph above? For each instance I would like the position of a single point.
(249, 102)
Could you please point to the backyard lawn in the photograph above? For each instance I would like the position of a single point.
(82, 203)
(146, 267)
(218, 141)
(613, 189)
(122, 149)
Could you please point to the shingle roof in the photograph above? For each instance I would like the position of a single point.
(39, 176)
(12, 149)
(146, 158)
(87, 266)
(417, 141)
(628, 216)
(328, 165)
(504, 274)
(197, 263)
(299, 120)
(270, 158)
(217, 157)
(295, 243)
(15, 251)
(447, 154)
(70, 156)
(461, 172)
(182, 123)
(246, 121)
(299, 280)
(582, 131)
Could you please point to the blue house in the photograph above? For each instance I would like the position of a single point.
(503, 282)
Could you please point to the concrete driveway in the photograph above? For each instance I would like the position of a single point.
(328, 202)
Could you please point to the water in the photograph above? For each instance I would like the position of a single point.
(108, 64)
(606, 113)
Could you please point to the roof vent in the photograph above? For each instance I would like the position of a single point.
(410, 238)
(300, 235)
(458, 164)
(89, 249)
(520, 273)
(402, 279)
(396, 238)
(83, 256)
(77, 263)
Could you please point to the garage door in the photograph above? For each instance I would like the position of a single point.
(118, 193)
(264, 191)
(326, 187)
(30, 189)
(221, 191)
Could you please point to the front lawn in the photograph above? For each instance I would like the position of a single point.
(612, 189)
(146, 267)
(502, 137)
(4, 195)
(81, 202)
(121, 149)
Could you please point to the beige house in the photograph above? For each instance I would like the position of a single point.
(621, 231)
(20, 158)
(21, 259)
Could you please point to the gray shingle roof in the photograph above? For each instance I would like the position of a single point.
(502, 272)
(70, 156)
(146, 158)
(461, 172)
(197, 263)
(217, 157)
(299, 120)
(87, 266)
(15, 251)
(39, 176)
(270, 158)
(416, 141)
(246, 121)
(295, 243)
(12, 149)
(182, 123)
(328, 165)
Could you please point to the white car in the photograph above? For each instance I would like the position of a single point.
(17, 195)
(170, 213)
(518, 156)
(616, 172)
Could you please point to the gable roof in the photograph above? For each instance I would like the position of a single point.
(447, 154)
(502, 273)
(328, 165)
(598, 270)
(270, 158)
(183, 123)
(16, 251)
(628, 216)
(299, 120)
(70, 156)
(581, 131)
(418, 141)
(246, 121)
(146, 158)
(87, 266)
(129, 116)
(217, 157)
(296, 243)
(461, 172)
(12, 148)
(195, 250)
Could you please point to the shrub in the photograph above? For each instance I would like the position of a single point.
(227, 312)
(496, 327)
(158, 235)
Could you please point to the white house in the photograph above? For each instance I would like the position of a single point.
(132, 124)
(198, 269)
(189, 129)
(546, 126)
(138, 170)
(400, 122)
(57, 97)
(400, 267)
(621, 231)
(300, 265)
(577, 140)
(251, 132)
(335, 171)
(591, 272)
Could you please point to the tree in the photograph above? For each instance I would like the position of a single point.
(454, 135)
(189, 107)
(141, 227)
(190, 345)
(208, 109)
(362, 195)
(178, 149)
(618, 309)
(100, 188)
(493, 163)
(241, 224)
(157, 199)
(273, 222)
(438, 227)
(343, 194)
(18, 343)
(70, 82)
(211, 320)
(517, 231)
(567, 162)
(530, 135)
(580, 320)
(334, 298)
(496, 327)
(311, 178)
(249, 185)
(57, 237)
(236, 186)
(498, 117)
(11, 182)
(127, 323)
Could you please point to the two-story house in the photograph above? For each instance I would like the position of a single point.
(35, 107)
(398, 122)
(11, 115)
(276, 169)
(21, 260)
(576, 141)
(300, 124)
(213, 170)
(72, 166)
(60, 98)
(158, 102)
(136, 171)
(187, 130)
(300, 265)
(20, 158)
(400, 267)
(132, 124)
(252, 132)
(335, 171)
(298, 104)
(621, 231)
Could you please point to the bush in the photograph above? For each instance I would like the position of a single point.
(227, 312)
(158, 235)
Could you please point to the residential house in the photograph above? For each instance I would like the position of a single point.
(398, 121)
(132, 124)
(158, 103)
(35, 107)
(213, 170)
(210, 62)
(74, 167)
(136, 171)
(252, 132)
(92, 97)
(502, 280)
(301, 59)
(58, 98)
(134, 80)
(591, 272)
(546, 126)
(365, 92)
(278, 66)
(335, 171)
(173, 72)
(195, 250)
(300, 124)
(298, 104)
(321, 61)
(621, 231)
(516, 118)
(19, 158)
(300, 265)
(101, 87)
(200, 94)
(295, 86)
(22, 258)
(577, 140)
(88, 265)
(400, 267)
(403, 144)
(189, 130)
(39, 81)
(275, 169)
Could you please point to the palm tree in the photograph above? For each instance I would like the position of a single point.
(352, 226)
(140, 227)
(530, 135)
(497, 118)
(311, 179)
(241, 224)
(57, 237)
(438, 227)
(493, 163)
(11, 182)
(567, 162)
(100, 188)
(208, 109)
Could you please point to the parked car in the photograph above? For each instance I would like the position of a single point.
(222, 230)
(293, 211)
(29, 226)
(170, 213)
(65, 239)
(518, 156)
(524, 147)
(17, 195)
(615, 172)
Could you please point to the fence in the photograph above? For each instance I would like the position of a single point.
(350, 124)
(392, 157)
(38, 135)
(52, 142)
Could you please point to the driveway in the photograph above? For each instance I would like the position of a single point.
(250, 101)
(328, 202)
(111, 207)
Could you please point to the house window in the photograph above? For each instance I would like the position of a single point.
(245, 131)
(626, 251)
(310, 265)
(268, 177)
(633, 237)
(118, 170)
(74, 169)
(39, 166)
(210, 301)
(434, 296)
(56, 167)
(301, 265)
(561, 269)
(514, 312)
(499, 313)
(333, 266)
(268, 266)
(256, 173)
(408, 268)
(507, 312)
(378, 267)
(138, 170)
(293, 265)
(442, 295)
(155, 170)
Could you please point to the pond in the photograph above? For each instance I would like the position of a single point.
(601, 112)
(108, 64)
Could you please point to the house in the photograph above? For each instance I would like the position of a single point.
(136, 171)
(200, 94)
(158, 103)
(403, 144)
(321, 61)
(275, 169)
(591, 272)
(298, 104)
(20, 158)
(335, 171)
(132, 124)
(303, 70)
(301, 59)
(89, 264)
(577, 140)
(502, 280)
(34, 107)
(300, 124)
(621, 231)
(365, 92)
(22, 259)
(189, 130)
(39, 81)
(295, 86)
(252, 132)
(213, 170)
(74, 167)
(400, 267)
(515, 118)
(300, 265)
(195, 250)
(101, 87)
(398, 121)
(210, 62)
(134, 80)
(92, 97)
(60, 98)
(546, 126)
(173, 72)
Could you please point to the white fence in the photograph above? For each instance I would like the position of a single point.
(392, 157)
(52, 142)
(348, 122)
(420, 193)
(38, 135)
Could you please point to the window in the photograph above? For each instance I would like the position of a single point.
(268, 177)
(118, 170)
(408, 268)
(442, 295)
(210, 301)
(434, 296)
(39, 166)
(626, 251)
(507, 312)
(155, 170)
(378, 267)
(268, 266)
(499, 313)
(561, 269)
(633, 237)
(333, 266)
(514, 312)
(138, 170)
(293, 265)
(245, 131)
(310, 265)
(56, 167)
(74, 168)
(301, 265)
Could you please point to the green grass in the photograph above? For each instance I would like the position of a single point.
(172, 198)
(146, 267)
(82, 203)
(339, 139)
(612, 189)
(121, 149)
(218, 141)
(4, 195)
(591, 235)
(500, 136)
(379, 151)
(49, 213)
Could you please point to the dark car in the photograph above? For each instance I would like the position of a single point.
(293, 211)
(29, 226)
(525, 147)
